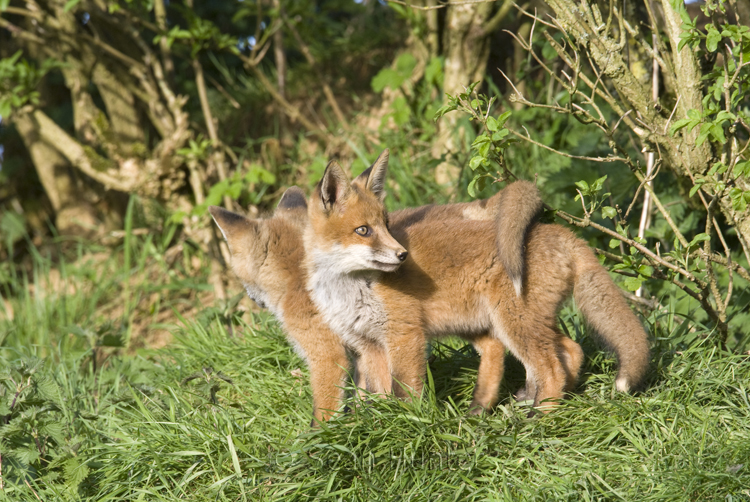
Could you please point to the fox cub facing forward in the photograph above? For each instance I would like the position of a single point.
(398, 283)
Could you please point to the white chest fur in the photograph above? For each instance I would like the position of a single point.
(347, 302)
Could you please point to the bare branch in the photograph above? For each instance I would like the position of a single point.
(640, 247)
(77, 155)
(442, 5)
(564, 154)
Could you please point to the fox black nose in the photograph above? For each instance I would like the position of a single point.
(402, 255)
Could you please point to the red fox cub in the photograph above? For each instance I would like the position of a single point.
(267, 257)
(398, 283)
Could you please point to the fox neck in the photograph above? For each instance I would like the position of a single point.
(346, 299)
(250, 268)
(265, 300)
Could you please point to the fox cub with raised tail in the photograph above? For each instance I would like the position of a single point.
(268, 256)
(397, 283)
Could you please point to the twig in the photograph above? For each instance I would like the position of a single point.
(17, 11)
(640, 247)
(76, 155)
(570, 156)
(620, 120)
(712, 275)
(20, 32)
(441, 6)
(235, 104)
(666, 126)
(497, 18)
(645, 221)
(217, 157)
(32, 490)
(583, 204)
(160, 13)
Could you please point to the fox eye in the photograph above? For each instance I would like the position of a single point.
(364, 231)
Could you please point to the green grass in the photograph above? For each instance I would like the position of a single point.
(223, 414)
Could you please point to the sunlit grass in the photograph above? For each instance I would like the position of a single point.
(224, 414)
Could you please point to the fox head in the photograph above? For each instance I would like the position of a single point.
(257, 245)
(348, 223)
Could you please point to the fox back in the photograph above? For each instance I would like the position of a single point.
(456, 281)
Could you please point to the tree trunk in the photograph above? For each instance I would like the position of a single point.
(466, 48)
(73, 215)
(681, 154)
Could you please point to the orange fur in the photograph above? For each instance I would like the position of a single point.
(267, 255)
(456, 281)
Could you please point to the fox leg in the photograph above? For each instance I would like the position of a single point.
(406, 344)
(571, 356)
(328, 366)
(490, 373)
(372, 371)
(536, 346)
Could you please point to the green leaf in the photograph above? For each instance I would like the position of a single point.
(679, 6)
(724, 115)
(582, 186)
(444, 109)
(433, 73)
(75, 472)
(492, 124)
(698, 184)
(742, 168)
(405, 64)
(739, 198)
(679, 124)
(693, 119)
(475, 162)
(70, 4)
(480, 140)
(712, 39)
(503, 118)
(499, 135)
(234, 190)
(645, 270)
(717, 132)
(699, 238)
(609, 212)
(718, 167)
(5, 108)
(401, 111)
(705, 131)
(477, 185)
(387, 77)
(597, 186)
(632, 283)
(613, 243)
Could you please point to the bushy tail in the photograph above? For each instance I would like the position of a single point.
(517, 208)
(604, 307)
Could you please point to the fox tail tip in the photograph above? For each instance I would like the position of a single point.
(517, 285)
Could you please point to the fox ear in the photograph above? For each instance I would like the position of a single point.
(334, 185)
(233, 226)
(293, 198)
(373, 178)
